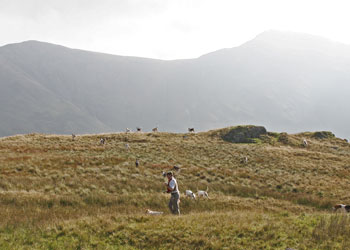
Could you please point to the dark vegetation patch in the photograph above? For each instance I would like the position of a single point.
(244, 134)
(323, 135)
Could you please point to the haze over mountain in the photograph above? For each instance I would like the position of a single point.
(282, 80)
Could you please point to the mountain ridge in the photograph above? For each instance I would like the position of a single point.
(280, 87)
(263, 36)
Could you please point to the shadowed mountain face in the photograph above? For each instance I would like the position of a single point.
(284, 81)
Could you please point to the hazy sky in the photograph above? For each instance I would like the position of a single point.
(166, 29)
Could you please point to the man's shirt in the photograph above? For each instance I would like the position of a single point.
(173, 184)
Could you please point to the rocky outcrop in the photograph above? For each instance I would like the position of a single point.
(323, 135)
(244, 134)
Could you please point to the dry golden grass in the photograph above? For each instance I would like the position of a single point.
(60, 193)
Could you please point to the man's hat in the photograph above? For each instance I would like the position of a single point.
(169, 173)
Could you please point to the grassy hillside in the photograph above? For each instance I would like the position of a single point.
(58, 193)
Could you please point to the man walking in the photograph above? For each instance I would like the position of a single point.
(173, 189)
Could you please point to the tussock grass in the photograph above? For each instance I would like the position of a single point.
(60, 193)
(332, 232)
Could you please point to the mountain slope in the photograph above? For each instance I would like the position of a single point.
(282, 80)
(29, 106)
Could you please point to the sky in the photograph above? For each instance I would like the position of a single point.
(166, 29)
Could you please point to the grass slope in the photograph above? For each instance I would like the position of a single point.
(57, 193)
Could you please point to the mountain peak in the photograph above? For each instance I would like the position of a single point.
(268, 34)
(275, 39)
(290, 39)
(32, 44)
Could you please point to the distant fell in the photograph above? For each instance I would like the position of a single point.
(283, 80)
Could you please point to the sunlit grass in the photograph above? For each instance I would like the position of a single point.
(59, 193)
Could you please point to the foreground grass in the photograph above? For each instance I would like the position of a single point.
(57, 193)
(229, 230)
